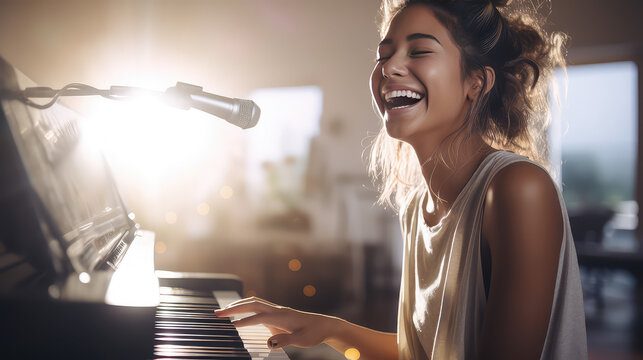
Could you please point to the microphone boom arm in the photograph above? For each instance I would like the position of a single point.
(239, 112)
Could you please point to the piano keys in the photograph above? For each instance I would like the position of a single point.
(77, 277)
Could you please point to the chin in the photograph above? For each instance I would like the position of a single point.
(397, 132)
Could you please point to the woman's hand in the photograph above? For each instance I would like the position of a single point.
(304, 329)
(288, 326)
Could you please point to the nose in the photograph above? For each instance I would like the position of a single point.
(394, 66)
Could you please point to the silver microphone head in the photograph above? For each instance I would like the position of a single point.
(239, 112)
(248, 115)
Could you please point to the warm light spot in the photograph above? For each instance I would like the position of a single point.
(131, 216)
(251, 293)
(135, 283)
(310, 290)
(294, 265)
(160, 247)
(351, 354)
(203, 209)
(171, 217)
(54, 291)
(84, 278)
(226, 192)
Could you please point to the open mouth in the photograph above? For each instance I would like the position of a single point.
(398, 99)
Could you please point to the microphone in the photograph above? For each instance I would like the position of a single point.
(239, 112)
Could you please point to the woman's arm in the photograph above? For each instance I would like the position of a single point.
(304, 329)
(523, 226)
(371, 344)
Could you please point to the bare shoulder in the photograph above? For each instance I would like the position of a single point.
(522, 204)
(522, 181)
(523, 227)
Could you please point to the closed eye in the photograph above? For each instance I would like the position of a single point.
(420, 52)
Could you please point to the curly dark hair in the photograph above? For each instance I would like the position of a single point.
(514, 114)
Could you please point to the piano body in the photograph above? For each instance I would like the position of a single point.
(77, 277)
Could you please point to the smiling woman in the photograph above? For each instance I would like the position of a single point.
(489, 269)
(481, 75)
(418, 69)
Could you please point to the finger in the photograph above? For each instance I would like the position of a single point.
(250, 320)
(250, 299)
(275, 330)
(268, 319)
(280, 340)
(256, 319)
(250, 307)
(244, 301)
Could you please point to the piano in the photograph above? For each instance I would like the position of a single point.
(77, 276)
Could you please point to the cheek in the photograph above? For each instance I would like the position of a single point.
(375, 80)
(445, 87)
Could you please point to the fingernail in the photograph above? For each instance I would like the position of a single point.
(272, 343)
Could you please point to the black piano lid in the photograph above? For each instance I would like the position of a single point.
(59, 205)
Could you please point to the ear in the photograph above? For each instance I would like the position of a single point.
(477, 80)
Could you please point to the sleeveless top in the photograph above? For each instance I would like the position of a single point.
(442, 295)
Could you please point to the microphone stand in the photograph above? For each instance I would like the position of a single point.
(178, 96)
(242, 113)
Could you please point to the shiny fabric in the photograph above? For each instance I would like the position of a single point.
(442, 297)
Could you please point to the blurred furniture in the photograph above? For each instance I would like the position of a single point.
(587, 228)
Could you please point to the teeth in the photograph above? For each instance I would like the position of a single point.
(400, 93)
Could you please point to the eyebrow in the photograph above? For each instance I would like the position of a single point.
(414, 36)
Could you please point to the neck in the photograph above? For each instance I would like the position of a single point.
(447, 169)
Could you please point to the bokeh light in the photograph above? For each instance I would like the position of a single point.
(352, 354)
(294, 265)
(310, 290)
(160, 247)
(84, 278)
(171, 217)
(203, 209)
(226, 192)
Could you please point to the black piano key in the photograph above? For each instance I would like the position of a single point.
(186, 335)
(188, 312)
(192, 324)
(163, 299)
(201, 342)
(184, 318)
(189, 308)
(178, 355)
(197, 349)
(164, 290)
(187, 315)
(213, 352)
(187, 331)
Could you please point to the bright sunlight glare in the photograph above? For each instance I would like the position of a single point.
(151, 143)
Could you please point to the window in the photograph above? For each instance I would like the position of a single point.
(594, 140)
(278, 146)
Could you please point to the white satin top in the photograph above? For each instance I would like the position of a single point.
(442, 296)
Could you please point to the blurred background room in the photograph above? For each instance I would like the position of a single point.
(288, 205)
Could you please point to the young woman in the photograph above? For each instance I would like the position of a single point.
(490, 269)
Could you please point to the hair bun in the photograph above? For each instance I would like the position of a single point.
(500, 3)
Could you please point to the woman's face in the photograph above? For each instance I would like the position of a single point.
(417, 82)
